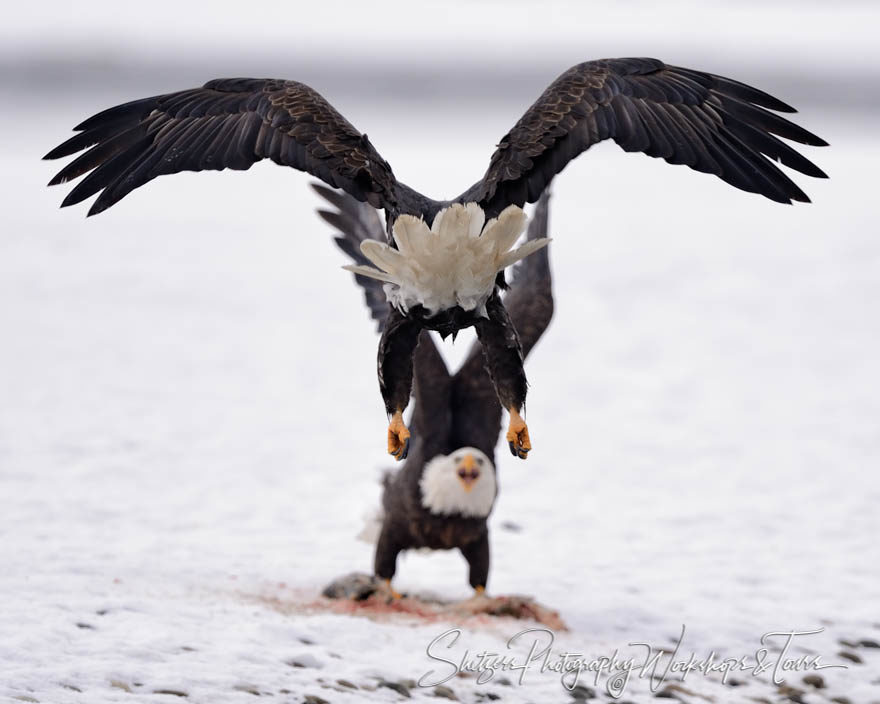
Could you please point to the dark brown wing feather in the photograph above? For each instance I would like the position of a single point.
(710, 123)
(529, 302)
(356, 222)
(229, 123)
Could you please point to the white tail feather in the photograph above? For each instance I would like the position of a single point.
(452, 263)
(523, 251)
(370, 272)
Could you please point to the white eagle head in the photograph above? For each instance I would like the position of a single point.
(452, 263)
(460, 483)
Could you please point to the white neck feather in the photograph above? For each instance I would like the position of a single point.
(444, 494)
(454, 263)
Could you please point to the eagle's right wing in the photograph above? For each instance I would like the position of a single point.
(229, 123)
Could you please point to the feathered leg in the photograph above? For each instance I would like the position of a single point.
(504, 362)
(477, 556)
(396, 350)
(385, 561)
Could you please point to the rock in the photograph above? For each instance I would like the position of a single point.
(867, 643)
(841, 700)
(172, 692)
(444, 692)
(118, 684)
(815, 681)
(409, 684)
(314, 699)
(305, 660)
(511, 527)
(356, 586)
(792, 694)
(397, 687)
(505, 682)
(848, 643)
(346, 683)
(582, 693)
(85, 626)
(25, 698)
(247, 688)
(852, 657)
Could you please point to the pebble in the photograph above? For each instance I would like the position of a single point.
(397, 687)
(172, 692)
(815, 681)
(305, 660)
(852, 657)
(346, 683)
(444, 692)
(314, 699)
(582, 693)
(867, 643)
(247, 688)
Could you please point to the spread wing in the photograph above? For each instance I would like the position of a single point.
(229, 123)
(710, 123)
(476, 412)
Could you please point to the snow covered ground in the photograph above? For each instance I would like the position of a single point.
(191, 430)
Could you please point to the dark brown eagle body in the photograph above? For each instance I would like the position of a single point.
(408, 525)
(707, 122)
(450, 411)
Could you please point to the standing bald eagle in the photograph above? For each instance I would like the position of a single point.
(442, 496)
(449, 276)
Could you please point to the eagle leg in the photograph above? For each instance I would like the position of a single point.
(477, 556)
(395, 365)
(385, 559)
(503, 354)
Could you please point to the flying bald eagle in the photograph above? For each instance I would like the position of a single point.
(447, 276)
(442, 496)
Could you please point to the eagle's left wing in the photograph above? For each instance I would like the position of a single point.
(710, 123)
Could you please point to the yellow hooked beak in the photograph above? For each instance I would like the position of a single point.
(468, 472)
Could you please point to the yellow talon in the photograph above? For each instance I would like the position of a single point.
(394, 594)
(518, 435)
(398, 437)
(480, 590)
